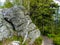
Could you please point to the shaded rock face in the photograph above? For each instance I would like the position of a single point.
(22, 23)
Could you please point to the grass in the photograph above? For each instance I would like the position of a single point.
(0, 43)
(14, 38)
(56, 40)
(38, 41)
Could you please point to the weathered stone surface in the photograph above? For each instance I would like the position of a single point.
(15, 43)
(34, 35)
(22, 23)
(6, 30)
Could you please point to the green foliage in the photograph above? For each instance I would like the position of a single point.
(56, 40)
(25, 43)
(14, 38)
(25, 3)
(57, 28)
(51, 35)
(1, 6)
(8, 4)
(41, 13)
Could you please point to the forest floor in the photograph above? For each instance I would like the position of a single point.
(47, 41)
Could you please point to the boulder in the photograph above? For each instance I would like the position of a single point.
(22, 23)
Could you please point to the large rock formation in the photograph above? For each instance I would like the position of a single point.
(21, 23)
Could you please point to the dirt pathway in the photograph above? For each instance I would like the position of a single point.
(47, 41)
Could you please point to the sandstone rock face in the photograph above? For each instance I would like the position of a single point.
(22, 23)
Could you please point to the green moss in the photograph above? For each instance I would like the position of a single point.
(25, 43)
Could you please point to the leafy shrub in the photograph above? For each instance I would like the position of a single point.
(51, 35)
(56, 40)
(41, 14)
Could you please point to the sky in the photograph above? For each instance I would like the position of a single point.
(57, 1)
(2, 0)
